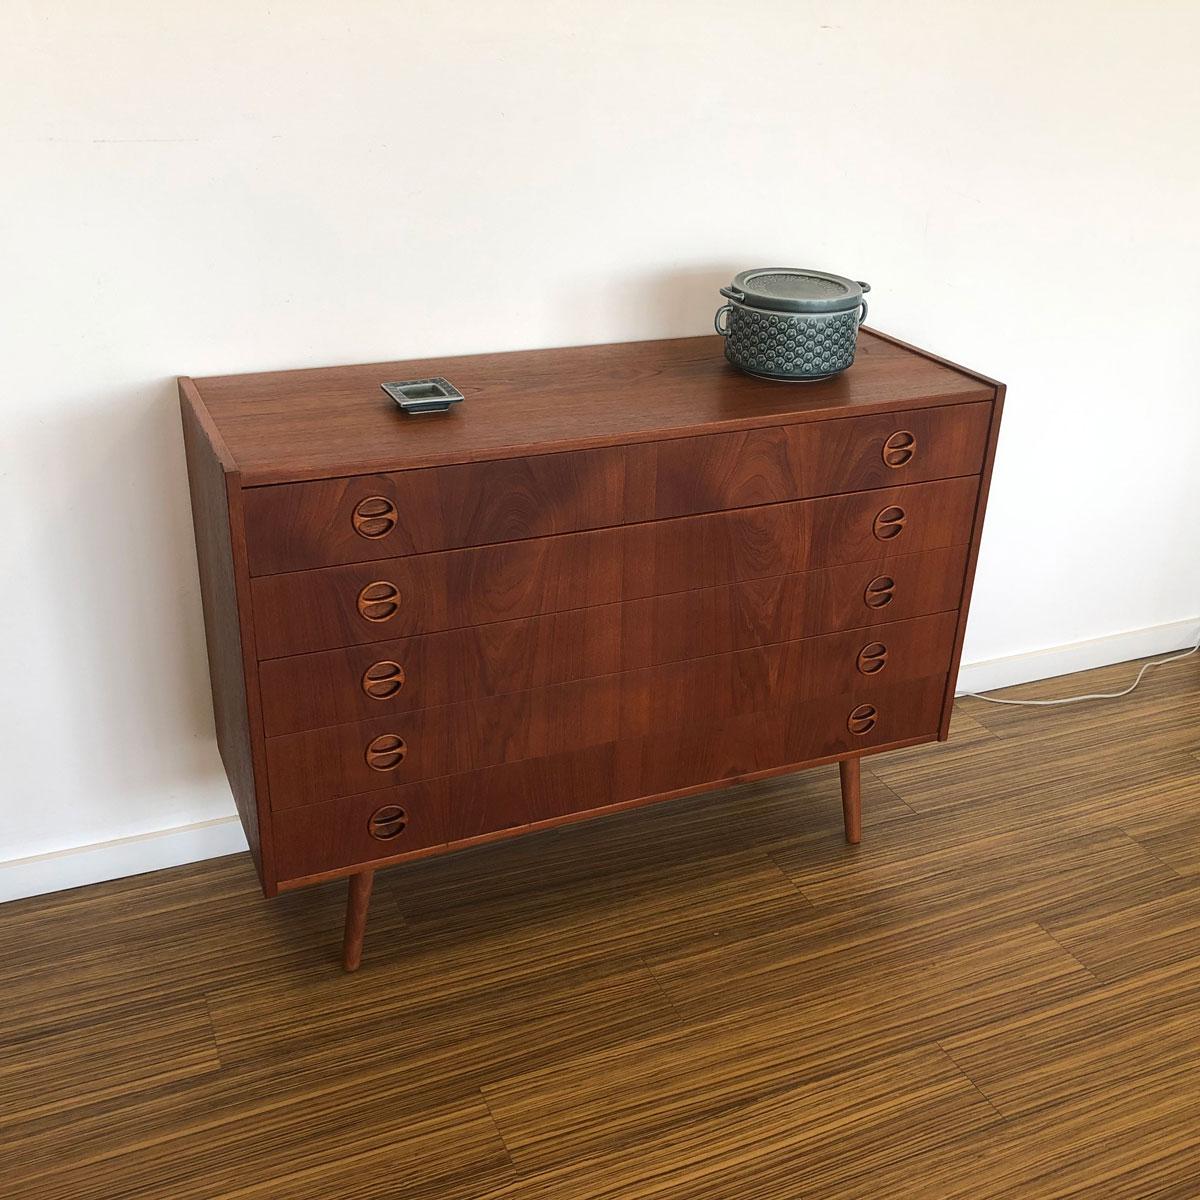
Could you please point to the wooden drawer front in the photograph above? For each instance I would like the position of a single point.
(334, 687)
(790, 462)
(357, 683)
(291, 527)
(350, 605)
(322, 764)
(764, 741)
(339, 833)
(335, 834)
(783, 608)
(359, 828)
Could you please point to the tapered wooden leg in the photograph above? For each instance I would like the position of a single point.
(357, 904)
(851, 773)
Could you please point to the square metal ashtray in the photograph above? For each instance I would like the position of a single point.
(423, 395)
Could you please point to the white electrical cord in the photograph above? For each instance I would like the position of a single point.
(1096, 695)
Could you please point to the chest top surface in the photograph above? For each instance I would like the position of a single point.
(282, 426)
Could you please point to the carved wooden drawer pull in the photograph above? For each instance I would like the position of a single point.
(374, 517)
(879, 592)
(899, 448)
(379, 601)
(890, 523)
(382, 680)
(873, 658)
(862, 719)
(386, 752)
(387, 822)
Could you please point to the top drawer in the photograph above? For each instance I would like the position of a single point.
(297, 526)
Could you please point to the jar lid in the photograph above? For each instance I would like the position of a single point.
(795, 289)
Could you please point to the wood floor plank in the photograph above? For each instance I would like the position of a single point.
(452, 1153)
(615, 909)
(986, 863)
(410, 1053)
(249, 1148)
(451, 1043)
(1093, 1048)
(1128, 1148)
(870, 981)
(822, 1138)
(137, 949)
(644, 1090)
(1058, 776)
(1164, 816)
(40, 1074)
(1162, 931)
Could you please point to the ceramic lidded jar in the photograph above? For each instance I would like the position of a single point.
(791, 323)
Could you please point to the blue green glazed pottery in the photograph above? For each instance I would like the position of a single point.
(791, 323)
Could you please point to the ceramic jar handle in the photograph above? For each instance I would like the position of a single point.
(725, 308)
(866, 287)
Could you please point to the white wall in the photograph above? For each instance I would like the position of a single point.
(218, 187)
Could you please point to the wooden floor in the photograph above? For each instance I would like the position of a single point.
(996, 994)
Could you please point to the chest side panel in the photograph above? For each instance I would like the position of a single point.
(215, 497)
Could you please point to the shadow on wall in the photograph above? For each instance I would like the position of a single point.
(131, 744)
(659, 304)
(685, 302)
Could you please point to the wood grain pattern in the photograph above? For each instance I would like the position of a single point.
(228, 625)
(304, 525)
(321, 764)
(672, 1002)
(293, 425)
(684, 476)
(322, 837)
(850, 771)
(309, 691)
(357, 904)
(307, 611)
(985, 483)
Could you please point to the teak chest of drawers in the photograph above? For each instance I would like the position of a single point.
(614, 574)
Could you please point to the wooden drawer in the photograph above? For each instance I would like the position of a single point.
(344, 832)
(350, 605)
(336, 834)
(356, 829)
(322, 764)
(791, 462)
(357, 683)
(291, 527)
(868, 716)
(299, 526)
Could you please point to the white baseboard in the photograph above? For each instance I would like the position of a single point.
(81, 865)
(211, 839)
(994, 673)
